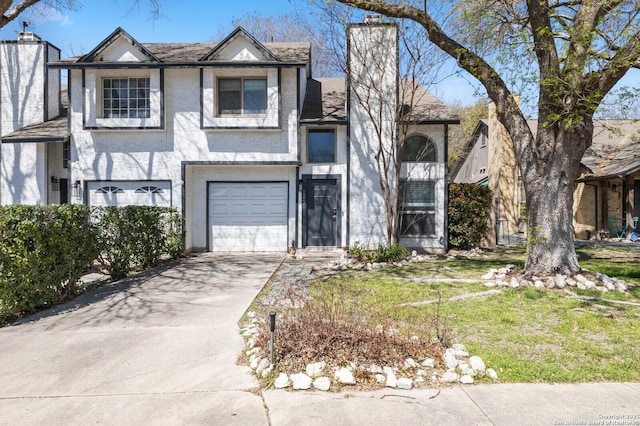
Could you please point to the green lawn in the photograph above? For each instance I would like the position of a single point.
(526, 335)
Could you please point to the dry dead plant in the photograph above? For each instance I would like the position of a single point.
(331, 327)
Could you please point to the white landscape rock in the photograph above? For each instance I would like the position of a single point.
(315, 369)
(492, 373)
(301, 381)
(322, 383)
(450, 377)
(266, 371)
(449, 358)
(282, 381)
(460, 350)
(264, 363)
(466, 379)
(391, 381)
(410, 363)
(344, 376)
(429, 363)
(477, 364)
(405, 383)
(380, 379)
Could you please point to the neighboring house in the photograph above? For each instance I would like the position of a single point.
(606, 196)
(237, 135)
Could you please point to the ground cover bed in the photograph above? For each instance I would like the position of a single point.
(377, 317)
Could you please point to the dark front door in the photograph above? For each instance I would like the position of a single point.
(64, 191)
(322, 212)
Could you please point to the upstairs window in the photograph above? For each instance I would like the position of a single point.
(242, 96)
(418, 148)
(126, 98)
(321, 146)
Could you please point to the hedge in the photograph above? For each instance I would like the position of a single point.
(45, 250)
(468, 214)
(136, 237)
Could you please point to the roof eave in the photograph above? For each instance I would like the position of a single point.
(140, 65)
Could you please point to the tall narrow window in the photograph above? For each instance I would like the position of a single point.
(242, 96)
(126, 98)
(65, 155)
(321, 146)
(418, 209)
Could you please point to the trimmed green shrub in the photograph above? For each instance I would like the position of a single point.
(468, 214)
(44, 251)
(136, 237)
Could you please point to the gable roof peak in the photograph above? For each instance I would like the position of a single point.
(234, 35)
(111, 38)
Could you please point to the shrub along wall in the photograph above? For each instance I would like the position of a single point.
(44, 250)
(136, 237)
(468, 214)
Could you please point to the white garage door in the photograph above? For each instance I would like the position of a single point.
(140, 193)
(248, 216)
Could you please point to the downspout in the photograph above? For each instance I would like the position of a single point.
(296, 243)
(446, 188)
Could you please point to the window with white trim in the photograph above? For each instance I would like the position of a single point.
(242, 96)
(418, 208)
(126, 97)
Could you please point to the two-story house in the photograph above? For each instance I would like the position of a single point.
(237, 135)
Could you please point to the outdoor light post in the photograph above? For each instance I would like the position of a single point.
(272, 328)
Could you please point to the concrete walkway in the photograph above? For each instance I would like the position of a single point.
(161, 349)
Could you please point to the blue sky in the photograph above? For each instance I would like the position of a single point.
(77, 32)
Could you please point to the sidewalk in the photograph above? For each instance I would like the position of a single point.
(499, 404)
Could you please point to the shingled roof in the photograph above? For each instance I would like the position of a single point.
(54, 130)
(326, 99)
(615, 151)
(191, 53)
(426, 107)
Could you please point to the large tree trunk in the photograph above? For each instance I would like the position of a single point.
(549, 188)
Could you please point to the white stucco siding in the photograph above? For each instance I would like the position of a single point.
(22, 84)
(23, 167)
(121, 50)
(196, 179)
(23, 179)
(53, 85)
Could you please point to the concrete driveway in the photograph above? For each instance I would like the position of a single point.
(159, 348)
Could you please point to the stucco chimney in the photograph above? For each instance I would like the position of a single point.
(28, 36)
(372, 19)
